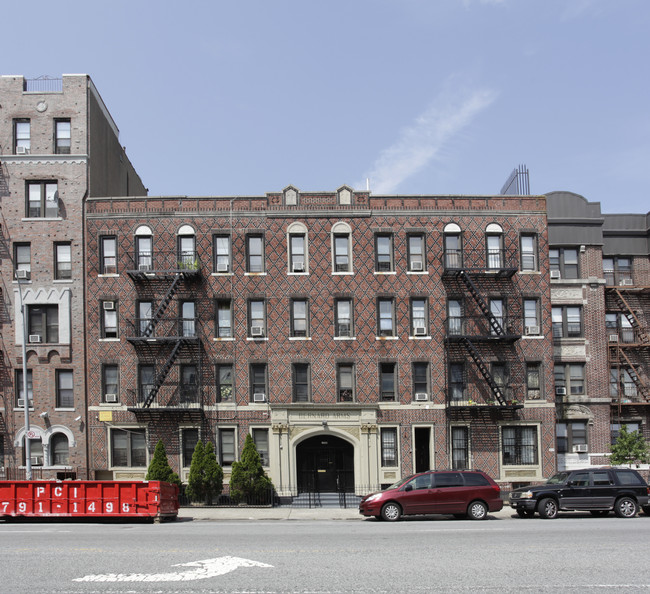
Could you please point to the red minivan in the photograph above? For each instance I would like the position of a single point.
(463, 493)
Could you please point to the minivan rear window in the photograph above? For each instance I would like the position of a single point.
(448, 479)
(628, 477)
(474, 479)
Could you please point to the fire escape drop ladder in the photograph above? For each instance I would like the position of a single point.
(473, 290)
(641, 386)
(485, 372)
(157, 316)
(628, 312)
(160, 377)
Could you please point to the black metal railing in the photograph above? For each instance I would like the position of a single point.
(479, 326)
(143, 262)
(163, 329)
(481, 260)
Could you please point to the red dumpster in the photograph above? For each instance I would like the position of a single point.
(105, 499)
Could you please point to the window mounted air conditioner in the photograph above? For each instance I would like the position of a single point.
(555, 274)
(37, 460)
(627, 282)
(560, 391)
(35, 338)
(532, 330)
(110, 397)
(23, 274)
(421, 396)
(416, 265)
(298, 267)
(613, 338)
(344, 328)
(144, 267)
(257, 331)
(581, 447)
(109, 305)
(22, 150)
(21, 403)
(223, 267)
(259, 397)
(420, 331)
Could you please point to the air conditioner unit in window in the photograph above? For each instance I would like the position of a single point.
(144, 267)
(298, 267)
(416, 265)
(35, 338)
(581, 447)
(259, 397)
(613, 338)
(421, 396)
(22, 150)
(555, 274)
(560, 391)
(344, 328)
(627, 282)
(110, 397)
(223, 267)
(532, 330)
(37, 460)
(109, 305)
(257, 331)
(22, 274)
(21, 403)
(420, 331)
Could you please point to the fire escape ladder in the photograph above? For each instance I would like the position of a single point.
(628, 312)
(162, 375)
(485, 372)
(473, 290)
(166, 300)
(641, 386)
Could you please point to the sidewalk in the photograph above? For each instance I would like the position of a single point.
(291, 513)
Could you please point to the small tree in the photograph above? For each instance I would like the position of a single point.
(248, 482)
(195, 481)
(212, 474)
(159, 468)
(629, 448)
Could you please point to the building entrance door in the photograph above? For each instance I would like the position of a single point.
(325, 464)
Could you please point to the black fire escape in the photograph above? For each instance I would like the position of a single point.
(165, 335)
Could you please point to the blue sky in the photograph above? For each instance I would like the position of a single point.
(417, 96)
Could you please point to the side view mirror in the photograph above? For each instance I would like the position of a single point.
(408, 488)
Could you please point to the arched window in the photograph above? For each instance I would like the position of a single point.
(453, 246)
(60, 449)
(341, 248)
(494, 246)
(144, 248)
(297, 248)
(187, 259)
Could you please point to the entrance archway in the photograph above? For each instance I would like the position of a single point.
(325, 463)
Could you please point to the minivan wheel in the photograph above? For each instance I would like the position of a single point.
(626, 507)
(477, 510)
(391, 512)
(548, 508)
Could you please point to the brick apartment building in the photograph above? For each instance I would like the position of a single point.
(58, 145)
(358, 338)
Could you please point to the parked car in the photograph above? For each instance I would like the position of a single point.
(597, 490)
(463, 493)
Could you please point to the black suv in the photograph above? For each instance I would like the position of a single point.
(598, 490)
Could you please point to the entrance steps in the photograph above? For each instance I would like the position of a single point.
(329, 500)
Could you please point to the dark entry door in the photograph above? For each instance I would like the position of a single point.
(325, 464)
(422, 448)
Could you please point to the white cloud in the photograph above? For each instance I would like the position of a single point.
(426, 139)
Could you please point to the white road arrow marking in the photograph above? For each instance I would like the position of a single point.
(201, 570)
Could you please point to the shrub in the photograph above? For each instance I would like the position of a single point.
(159, 468)
(629, 448)
(195, 483)
(248, 482)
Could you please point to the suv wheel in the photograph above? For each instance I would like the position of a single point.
(391, 512)
(477, 510)
(626, 507)
(548, 508)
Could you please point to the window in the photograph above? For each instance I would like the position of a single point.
(261, 439)
(615, 429)
(570, 379)
(189, 439)
(62, 137)
(457, 382)
(145, 317)
(60, 448)
(22, 261)
(42, 199)
(416, 252)
(258, 385)
(345, 381)
(421, 388)
(20, 394)
(388, 381)
(189, 388)
(64, 388)
(255, 253)
(570, 435)
(459, 448)
(188, 319)
(567, 321)
(533, 381)
(344, 323)
(301, 382)
(384, 252)
(453, 247)
(619, 326)
(494, 246)
(109, 326)
(144, 252)
(146, 379)
(532, 326)
(342, 252)
(110, 383)
(618, 271)
(128, 447)
(108, 264)
(256, 318)
(501, 376)
(621, 383)
(388, 446)
(62, 261)
(455, 318)
(529, 259)
(225, 386)
(224, 318)
(519, 445)
(43, 323)
(187, 259)
(22, 136)
(222, 253)
(227, 448)
(563, 262)
(385, 317)
(299, 318)
(297, 252)
(419, 317)
(497, 309)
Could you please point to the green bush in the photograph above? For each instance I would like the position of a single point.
(629, 448)
(195, 484)
(205, 481)
(248, 482)
(159, 468)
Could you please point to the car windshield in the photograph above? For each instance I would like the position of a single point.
(558, 478)
(400, 482)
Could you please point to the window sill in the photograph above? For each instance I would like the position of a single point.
(345, 338)
(530, 272)
(109, 340)
(306, 273)
(64, 409)
(386, 337)
(33, 219)
(419, 337)
(342, 273)
(224, 339)
(385, 273)
(63, 281)
(255, 273)
(417, 272)
(108, 275)
(533, 337)
(257, 339)
(299, 338)
(222, 274)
